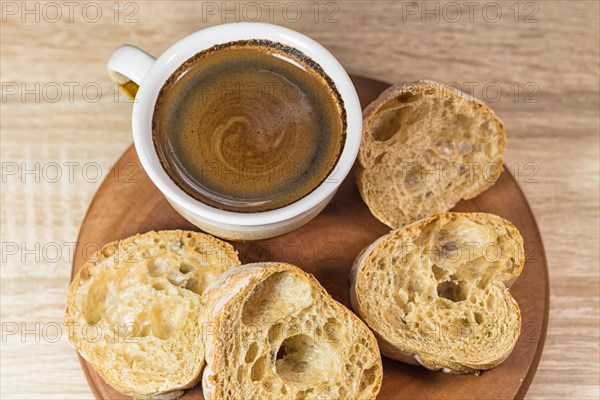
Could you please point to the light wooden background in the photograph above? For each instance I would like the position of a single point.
(550, 52)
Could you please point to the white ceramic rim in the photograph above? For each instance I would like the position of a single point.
(185, 48)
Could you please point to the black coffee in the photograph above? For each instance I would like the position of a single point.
(249, 126)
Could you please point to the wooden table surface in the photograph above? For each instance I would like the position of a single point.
(63, 124)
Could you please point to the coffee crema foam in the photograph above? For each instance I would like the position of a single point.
(249, 126)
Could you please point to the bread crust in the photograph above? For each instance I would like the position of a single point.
(226, 295)
(384, 166)
(127, 253)
(401, 349)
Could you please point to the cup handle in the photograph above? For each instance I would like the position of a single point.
(128, 66)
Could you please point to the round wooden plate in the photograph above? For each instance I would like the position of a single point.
(128, 203)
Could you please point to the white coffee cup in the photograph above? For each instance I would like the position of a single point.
(129, 63)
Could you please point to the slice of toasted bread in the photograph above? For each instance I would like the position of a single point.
(436, 291)
(424, 148)
(133, 310)
(275, 333)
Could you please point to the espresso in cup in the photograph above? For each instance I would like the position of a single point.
(249, 126)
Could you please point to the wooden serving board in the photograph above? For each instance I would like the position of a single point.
(128, 203)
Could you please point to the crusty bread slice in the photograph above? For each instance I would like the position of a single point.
(275, 333)
(134, 310)
(436, 291)
(424, 148)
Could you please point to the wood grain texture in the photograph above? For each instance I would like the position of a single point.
(553, 150)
